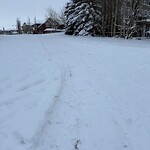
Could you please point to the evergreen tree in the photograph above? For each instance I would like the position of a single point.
(83, 18)
(18, 25)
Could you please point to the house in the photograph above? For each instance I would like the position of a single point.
(35, 28)
(143, 21)
(1, 32)
(26, 29)
(49, 26)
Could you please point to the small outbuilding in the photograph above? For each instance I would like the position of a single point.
(144, 24)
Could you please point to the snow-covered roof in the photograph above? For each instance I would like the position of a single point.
(52, 29)
(49, 29)
(14, 32)
(147, 20)
(11, 29)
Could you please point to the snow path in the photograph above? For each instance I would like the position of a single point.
(92, 93)
(29, 84)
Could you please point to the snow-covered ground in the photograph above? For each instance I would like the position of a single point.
(74, 93)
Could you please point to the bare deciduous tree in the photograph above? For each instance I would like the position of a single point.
(62, 16)
(130, 17)
(51, 13)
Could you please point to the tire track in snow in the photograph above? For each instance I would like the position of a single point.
(42, 134)
(37, 139)
(65, 120)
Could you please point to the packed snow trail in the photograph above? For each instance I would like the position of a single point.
(96, 93)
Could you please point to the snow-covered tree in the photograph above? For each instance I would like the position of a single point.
(83, 18)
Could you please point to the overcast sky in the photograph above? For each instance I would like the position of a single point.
(11, 9)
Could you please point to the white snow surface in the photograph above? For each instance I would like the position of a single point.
(60, 92)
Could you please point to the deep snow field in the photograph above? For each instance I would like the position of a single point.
(74, 93)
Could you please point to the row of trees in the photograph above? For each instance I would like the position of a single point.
(25, 27)
(102, 17)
